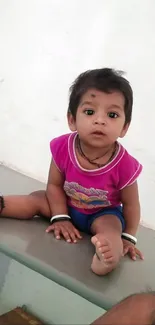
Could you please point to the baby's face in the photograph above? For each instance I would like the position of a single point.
(100, 118)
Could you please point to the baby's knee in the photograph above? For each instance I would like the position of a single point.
(38, 194)
(40, 203)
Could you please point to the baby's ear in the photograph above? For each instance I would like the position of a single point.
(71, 122)
(124, 130)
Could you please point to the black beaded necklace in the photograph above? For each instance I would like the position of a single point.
(92, 161)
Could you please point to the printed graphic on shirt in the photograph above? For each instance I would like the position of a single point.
(86, 198)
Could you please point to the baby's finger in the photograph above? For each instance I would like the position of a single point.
(125, 250)
(73, 236)
(66, 235)
(138, 252)
(57, 233)
(132, 253)
(78, 235)
(50, 228)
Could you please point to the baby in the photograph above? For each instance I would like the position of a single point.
(92, 183)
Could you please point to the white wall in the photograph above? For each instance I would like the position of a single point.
(44, 45)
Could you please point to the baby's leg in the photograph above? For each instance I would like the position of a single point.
(25, 206)
(108, 243)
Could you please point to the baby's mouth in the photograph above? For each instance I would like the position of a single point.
(98, 133)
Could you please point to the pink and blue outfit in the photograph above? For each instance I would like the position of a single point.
(97, 192)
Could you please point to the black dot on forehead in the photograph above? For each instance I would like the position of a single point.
(93, 95)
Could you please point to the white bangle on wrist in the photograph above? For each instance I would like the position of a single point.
(129, 237)
(60, 217)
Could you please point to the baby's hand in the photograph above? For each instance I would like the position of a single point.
(131, 250)
(66, 230)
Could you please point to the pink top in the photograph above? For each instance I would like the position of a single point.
(91, 190)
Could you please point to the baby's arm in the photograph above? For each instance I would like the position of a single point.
(55, 193)
(131, 208)
(58, 206)
(131, 212)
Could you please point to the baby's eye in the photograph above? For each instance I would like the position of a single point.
(112, 115)
(89, 111)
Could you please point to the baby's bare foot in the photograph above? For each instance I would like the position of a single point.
(107, 254)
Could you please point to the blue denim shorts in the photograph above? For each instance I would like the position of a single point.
(83, 221)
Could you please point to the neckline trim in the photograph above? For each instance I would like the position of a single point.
(101, 170)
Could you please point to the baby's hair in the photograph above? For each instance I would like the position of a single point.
(106, 80)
